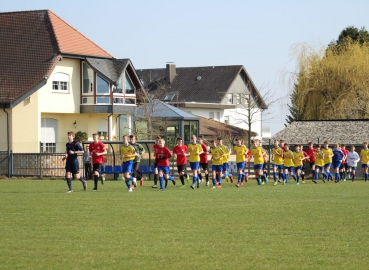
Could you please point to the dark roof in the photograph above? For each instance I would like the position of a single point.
(161, 109)
(347, 132)
(198, 84)
(31, 43)
(110, 68)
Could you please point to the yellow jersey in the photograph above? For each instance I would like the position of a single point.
(277, 156)
(226, 153)
(216, 152)
(328, 154)
(257, 154)
(288, 158)
(364, 155)
(319, 158)
(127, 150)
(240, 151)
(297, 158)
(194, 150)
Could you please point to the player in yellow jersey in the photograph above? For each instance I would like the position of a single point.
(319, 163)
(217, 164)
(328, 154)
(128, 154)
(288, 163)
(240, 150)
(227, 176)
(277, 161)
(195, 150)
(298, 158)
(258, 154)
(364, 155)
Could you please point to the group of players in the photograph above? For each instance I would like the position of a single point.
(285, 162)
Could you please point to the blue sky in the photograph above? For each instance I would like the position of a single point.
(256, 34)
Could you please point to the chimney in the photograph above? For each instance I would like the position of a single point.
(171, 72)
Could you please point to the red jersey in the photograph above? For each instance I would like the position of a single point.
(162, 155)
(204, 156)
(311, 153)
(180, 151)
(98, 147)
(248, 156)
(345, 152)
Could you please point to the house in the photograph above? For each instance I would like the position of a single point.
(53, 80)
(222, 93)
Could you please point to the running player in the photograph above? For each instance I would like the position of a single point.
(217, 164)
(127, 155)
(240, 150)
(264, 177)
(277, 161)
(180, 153)
(352, 159)
(258, 155)
(328, 154)
(204, 161)
(364, 155)
(298, 158)
(156, 173)
(140, 150)
(288, 163)
(195, 150)
(225, 160)
(73, 148)
(319, 163)
(337, 159)
(98, 151)
(162, 155)
(344, 167)
(311, 153)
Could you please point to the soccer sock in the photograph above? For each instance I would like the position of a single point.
(337, 176)
(214, 182)
(166, 182)
(242, 177)
(96, 180)
(200, 176)
(275, 176)
(262, 178)
(128, 184)
(69, 183)
(298, 178)
(366, 177)
(316, 176)
(182, 179)
(207, 177)
(81, 179)
(161, 181)
(155, 179)
(303, 177)
(283, 176)
(239, 178)
(220, 180)
(258, 180)
(194, 180)
(330, 174)
(286, 177)
(353, 177)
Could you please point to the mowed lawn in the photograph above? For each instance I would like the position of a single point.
(324, 226)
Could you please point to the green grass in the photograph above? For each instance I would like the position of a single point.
(322, 226)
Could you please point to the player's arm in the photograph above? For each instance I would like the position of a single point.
(104, 152)
(79, 149)
(141, 150)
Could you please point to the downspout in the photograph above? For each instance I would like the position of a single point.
(7, 128)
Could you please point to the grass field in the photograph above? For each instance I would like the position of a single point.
(324, 226)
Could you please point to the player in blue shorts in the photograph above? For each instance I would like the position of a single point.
(217, 155)
(128, 154)
(337, 160)
(73, 148)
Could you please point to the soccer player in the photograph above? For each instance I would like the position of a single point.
(127, 154)
(195, 150)
(258, 154)
(311, 153)
(319, 163)
(225, 160)
(264, 176)
(298, 158)
(204, 160)
(98, 151)
(277, 161)
(352, 159)
(163, 155)
(328, 154)
(364, 155)
(288, 163)
(180, 153)
(344, 167)
(337, 159)
(73, 148)
(240, 150)
(156, 172)
(217, 164)
(140, 150)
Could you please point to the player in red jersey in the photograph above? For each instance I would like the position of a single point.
(310, 151)
(180, 152)
(162, 156)
(204, 160)
(344, 167)
(245, 176)
(156, 173)
(98, 151)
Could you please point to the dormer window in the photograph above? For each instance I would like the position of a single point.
(169, 97)
(130, 88)
(60, 82)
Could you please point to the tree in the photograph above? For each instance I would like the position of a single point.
(81, 136)
(351, 33)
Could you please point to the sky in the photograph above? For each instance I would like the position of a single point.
(256, 34)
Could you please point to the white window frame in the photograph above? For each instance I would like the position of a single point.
(230, 98)
(60, 79)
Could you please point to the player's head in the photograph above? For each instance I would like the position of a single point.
(238, 141)
(326, 144)
(157, 139)
(193, 138)
(318, 146)
(95, 137)
(352, 148)
(336, 146)
(201, 139)
(125, 139)
(87, 148)
(70, 136)
(132, 138)
(286, 146)
(179, 141)
(213, 143)
(219, 140)
(365, 144)
(297, 148)
(276, 143)
(255, 143)
(281, 142)
(161, 142)
(310, 144)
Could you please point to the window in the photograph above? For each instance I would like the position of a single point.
(102, 127)
(102, 86)
(211, 115)
(238, 98)
(87, 100)
(49, 131)
(130, 101)
(102, 100)
(226, 119)
(118, 100)
(130, 88)
(230, 98)
(169, 97)
(217, 116)
(60, 82)
(47, 147)
(88, 79)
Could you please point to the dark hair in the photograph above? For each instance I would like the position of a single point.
(179, 139)
(219, 138)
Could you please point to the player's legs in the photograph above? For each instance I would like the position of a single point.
(156, 175)
(68, 175)
(96, 173)
(194, 167)
(365, 171)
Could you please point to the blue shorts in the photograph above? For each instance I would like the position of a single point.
(127, 166)
(164, 169)
(217, 168)
(241, 165)
(195, 165)
(327, 165)
(279, 167)
(363, 166)
(225, 167)
(337, 164)
(72, 166)
(258, 166)
(319, 167)
(352, 168)
(290, 169)
(298, 168)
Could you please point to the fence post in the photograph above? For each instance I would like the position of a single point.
(40, 164)
(10, 156)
